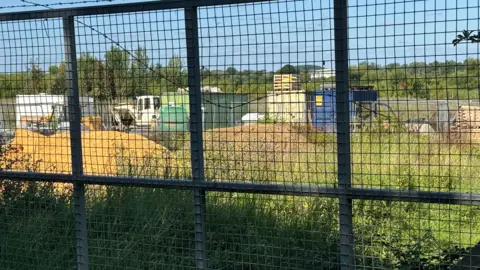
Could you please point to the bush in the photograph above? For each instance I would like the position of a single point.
(173, 141)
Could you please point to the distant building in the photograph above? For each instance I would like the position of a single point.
(211, 89)
(322, 73)
(206, 89)
(180, 90)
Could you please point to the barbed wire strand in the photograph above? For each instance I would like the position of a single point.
(31, 4)
(16, 6)
(111, 40)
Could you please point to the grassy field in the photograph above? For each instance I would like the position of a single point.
(153, 228)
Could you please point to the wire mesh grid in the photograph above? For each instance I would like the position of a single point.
(418, 73)
(289, 135)
(271, 231)
(31, 51)
(140, 228)
(134, 70)
(257, 55)
(424, 137)
(37, 226)
(414, 236)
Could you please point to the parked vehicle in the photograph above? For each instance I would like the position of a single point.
(147, 113)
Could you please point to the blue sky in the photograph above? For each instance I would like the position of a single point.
(258, 36)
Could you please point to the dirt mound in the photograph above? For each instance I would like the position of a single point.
(279, 138)
(104, 152)
(261, 153)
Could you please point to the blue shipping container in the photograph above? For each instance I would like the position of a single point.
(324, 109)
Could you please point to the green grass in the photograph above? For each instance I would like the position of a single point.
(153, 228)
(36, 229)
(389, 232)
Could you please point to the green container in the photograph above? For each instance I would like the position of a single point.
(219, 109)
(180, 99)
(173, 118)
(223, 109)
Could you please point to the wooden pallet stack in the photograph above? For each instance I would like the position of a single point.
(285, 82)
(467, 122)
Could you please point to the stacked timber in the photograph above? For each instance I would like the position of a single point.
(467, 122)
(285, 82)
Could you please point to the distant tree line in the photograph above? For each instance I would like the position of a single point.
(118, 74)
(435, 80)
(124, 74)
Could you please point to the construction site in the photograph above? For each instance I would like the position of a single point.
(261, 151)
(239, 134)
(155, 128)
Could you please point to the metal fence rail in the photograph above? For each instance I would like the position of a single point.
(330, 179)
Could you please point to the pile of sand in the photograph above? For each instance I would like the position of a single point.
(104, 152)
(92, 122)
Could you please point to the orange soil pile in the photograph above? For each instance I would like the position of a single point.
(104, 152)
(92, 122)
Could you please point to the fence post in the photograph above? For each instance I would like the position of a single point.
(196, 138)
(347, 255)
(74, 115)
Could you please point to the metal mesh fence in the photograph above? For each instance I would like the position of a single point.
(240, 134)
(425, 135)
(37, 226)
(140, 228)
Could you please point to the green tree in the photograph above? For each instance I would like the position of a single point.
(173, 73)
(158, 73)
(87, 73)
(287, 69)
(304, 76)
(355, 76)
(452, 66)
(111, 85)
(364, 65)
(101, 94)
(139, 71)
(117, 64)
(12, 84)
(397, 76)
(35, 76)
(59, 85)
(393, 66)
(205, 72)
(231, 71)
(417, 88)
(418, 68)
(53, 69)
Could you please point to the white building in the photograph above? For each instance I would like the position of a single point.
(322, 73)
(206, 89)
(211, 89)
